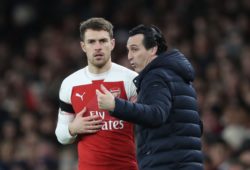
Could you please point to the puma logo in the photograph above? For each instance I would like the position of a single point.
(80, 96)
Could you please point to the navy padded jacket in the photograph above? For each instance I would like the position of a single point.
(168, 126)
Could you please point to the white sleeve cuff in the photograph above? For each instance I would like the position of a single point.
(62, 128)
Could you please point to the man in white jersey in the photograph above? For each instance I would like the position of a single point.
(104, 142)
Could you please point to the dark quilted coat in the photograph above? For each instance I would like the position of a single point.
(168, 126)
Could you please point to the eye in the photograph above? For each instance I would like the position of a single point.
(133, 49)
(91, 41)
(103, 40)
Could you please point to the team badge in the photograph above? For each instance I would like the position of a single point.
(116, 91)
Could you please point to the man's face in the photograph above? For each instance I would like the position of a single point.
(138, 56)
(98, 46)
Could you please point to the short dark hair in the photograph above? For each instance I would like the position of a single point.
(152, 37)
(97, 24)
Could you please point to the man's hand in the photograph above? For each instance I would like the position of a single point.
(105, 100)
(85, 125)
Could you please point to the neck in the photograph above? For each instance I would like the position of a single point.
(150, 59)
(153, 57)
(98, 70)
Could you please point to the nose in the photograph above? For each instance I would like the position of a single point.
(98, 46)
(130, 56)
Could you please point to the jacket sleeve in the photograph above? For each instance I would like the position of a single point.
(153, 111)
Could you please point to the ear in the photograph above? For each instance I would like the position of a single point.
(154, 50)
(83, 46)
(113, 43)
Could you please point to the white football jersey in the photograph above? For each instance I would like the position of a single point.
(115, 141)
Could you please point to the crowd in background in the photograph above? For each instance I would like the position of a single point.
(39, 46)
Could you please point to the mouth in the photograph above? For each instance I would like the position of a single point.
(98, 55)
(133, 65)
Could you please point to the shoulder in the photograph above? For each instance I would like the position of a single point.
(73, 78)
(125, 70)
(157, 73)
(122, 72)
(155, 76)
(162, 73)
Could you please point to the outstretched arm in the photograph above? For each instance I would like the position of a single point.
(152, 113)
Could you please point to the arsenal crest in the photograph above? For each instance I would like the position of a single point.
(116, 91)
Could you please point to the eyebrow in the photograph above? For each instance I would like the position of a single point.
(93, 39)
(132, 45)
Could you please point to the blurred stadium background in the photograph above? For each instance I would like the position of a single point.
(39, 46)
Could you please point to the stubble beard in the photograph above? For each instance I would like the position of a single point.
(100, 64)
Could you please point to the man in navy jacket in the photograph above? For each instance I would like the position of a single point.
(169, 129)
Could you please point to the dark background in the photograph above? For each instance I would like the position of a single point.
(39, 46)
